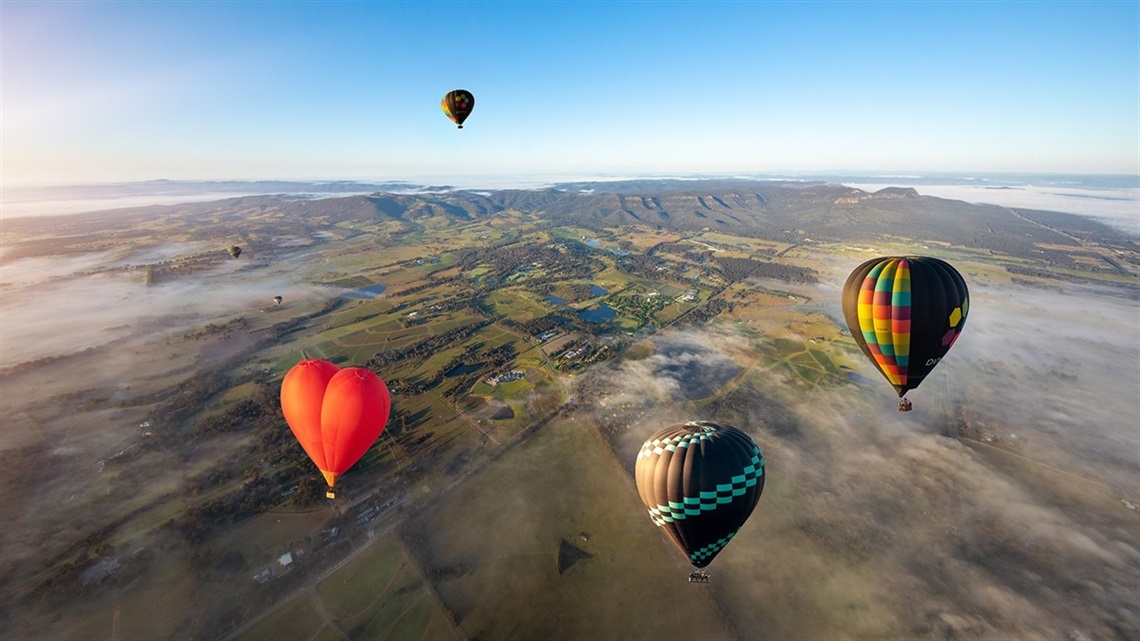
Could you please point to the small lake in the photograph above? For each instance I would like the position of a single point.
(598, 291)
(461, 370)
(597, 244)
(599, 314)
(556, 300)
(372, 291)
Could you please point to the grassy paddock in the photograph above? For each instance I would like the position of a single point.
(266, 536)
(297, 619)
(351, 591)
(503, 583)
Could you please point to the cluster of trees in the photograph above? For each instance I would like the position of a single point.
(708, 311)
(1039, 273)
(225, 329)
(573, 261)
(575, 292)
(177, 410)
(684, 250)
(542, 324)
(261, 411)
(644, 265)
(639, 306)
(198, 521)
(735, 269)
(786, 273)
(383, 361)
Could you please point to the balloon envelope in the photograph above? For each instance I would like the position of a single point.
(457, 105)
(905, 312)
(700, 482)
(336, 414)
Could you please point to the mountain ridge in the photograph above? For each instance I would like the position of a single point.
(775, 210)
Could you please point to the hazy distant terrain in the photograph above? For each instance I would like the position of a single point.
(140, 365)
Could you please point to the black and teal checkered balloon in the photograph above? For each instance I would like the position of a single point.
(700, 482)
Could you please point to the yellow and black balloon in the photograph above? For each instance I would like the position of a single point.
(905, 312)
(457, 105)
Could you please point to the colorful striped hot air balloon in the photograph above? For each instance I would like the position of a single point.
(905, 312)
(457, 105)
(700, 482)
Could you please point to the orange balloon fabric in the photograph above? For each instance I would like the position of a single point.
(336, 414)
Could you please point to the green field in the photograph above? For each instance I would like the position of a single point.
(503, 582)
(296, 619)
(380, 595)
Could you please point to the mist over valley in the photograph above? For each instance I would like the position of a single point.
(141, 366)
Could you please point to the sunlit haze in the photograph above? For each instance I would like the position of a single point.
(718, 321)
(112, 91)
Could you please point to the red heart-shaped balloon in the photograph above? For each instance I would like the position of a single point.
(336, 414)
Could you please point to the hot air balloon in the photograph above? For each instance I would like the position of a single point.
(700, 482)
(336, 414)
(235, 251)
(905, 312)
(277, 299)
(457, 105)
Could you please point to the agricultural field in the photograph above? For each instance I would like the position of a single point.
(378, 596)
(499, 571)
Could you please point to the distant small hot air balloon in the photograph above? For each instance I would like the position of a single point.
(336, 414)
(277, 299)
(235, 251)
(458, 104)
(700, 482)
(905, 312)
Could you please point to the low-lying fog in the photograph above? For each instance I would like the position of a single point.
(61, 305)
(876, 523)
(873, 523)
(1116, 207)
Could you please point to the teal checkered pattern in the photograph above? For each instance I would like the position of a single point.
(707, 501)
(711, 549)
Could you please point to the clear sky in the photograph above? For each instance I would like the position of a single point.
(110, 91)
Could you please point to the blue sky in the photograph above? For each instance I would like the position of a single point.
(95, 91)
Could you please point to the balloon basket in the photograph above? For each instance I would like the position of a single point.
(330, 495)
(904, 405)
(699, 577)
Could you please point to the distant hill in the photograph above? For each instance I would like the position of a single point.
(777, 210)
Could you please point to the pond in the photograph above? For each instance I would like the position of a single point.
(462, 369)
(372, 291)
(557, 300)
(598, 291)
(599, 314)
(597, 244)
